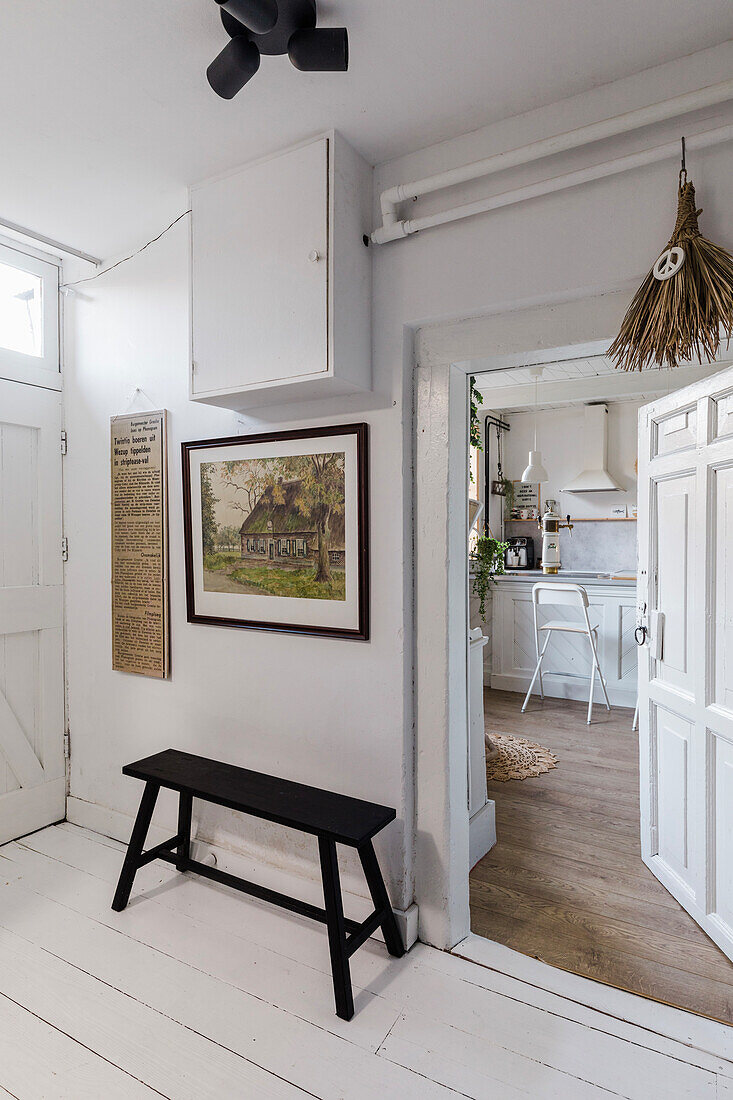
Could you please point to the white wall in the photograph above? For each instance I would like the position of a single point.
(560, 440)
(321, 711)
(331, 712)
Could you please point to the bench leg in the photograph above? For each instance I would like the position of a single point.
(184, 830)
(135, 847)
(380, 897)
(336, 929)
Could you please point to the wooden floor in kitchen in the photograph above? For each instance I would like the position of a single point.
(565, 882)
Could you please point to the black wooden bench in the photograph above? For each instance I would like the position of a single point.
(333, 818)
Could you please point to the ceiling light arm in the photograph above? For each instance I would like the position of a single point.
(258, 16)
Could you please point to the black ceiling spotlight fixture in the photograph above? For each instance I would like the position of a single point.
(274, 27)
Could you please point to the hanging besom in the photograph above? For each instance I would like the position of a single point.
(684, 302)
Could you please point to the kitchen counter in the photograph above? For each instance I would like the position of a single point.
(569, 575)
(612, 606)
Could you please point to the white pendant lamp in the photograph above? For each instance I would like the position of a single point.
(535, 471)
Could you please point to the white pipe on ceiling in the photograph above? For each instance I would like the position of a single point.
(393, 229)
(48, 242)
(558, 183)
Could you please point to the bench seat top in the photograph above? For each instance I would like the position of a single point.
(310, 809)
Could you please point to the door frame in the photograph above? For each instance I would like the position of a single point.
(445, 355)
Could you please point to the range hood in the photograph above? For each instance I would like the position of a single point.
(594, 477)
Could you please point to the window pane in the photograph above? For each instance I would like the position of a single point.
(21, 326)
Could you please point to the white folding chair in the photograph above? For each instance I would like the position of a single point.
(574, 595)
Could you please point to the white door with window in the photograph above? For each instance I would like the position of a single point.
(685, 617)
(32, 772)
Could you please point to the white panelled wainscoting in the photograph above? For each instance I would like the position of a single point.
(194, 992)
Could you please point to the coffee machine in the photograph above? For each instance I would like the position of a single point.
(519, 553)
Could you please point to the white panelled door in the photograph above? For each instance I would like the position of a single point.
(32, 778)
(685, 608)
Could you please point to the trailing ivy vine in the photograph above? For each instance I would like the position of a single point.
(475, 432)
(487, 559)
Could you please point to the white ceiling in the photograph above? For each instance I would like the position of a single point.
(551, 372)
(107, 115)
(592, 379)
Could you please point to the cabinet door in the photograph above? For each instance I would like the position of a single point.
(260, 273)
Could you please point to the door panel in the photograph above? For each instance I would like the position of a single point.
(685, 602)
(673, 755)
(675, 511)
(32, 773)
(675, 432)
(722, 506)
(721, 854)
(19, 543)
(723, 412)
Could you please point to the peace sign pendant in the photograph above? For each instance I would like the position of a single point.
(669, 263)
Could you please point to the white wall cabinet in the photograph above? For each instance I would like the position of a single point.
(281, 279)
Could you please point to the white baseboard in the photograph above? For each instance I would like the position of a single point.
(481, 833)
(113, 823)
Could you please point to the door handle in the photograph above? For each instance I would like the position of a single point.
(640, 635)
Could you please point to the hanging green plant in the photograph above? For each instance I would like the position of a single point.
(487, 560)
(475, 432)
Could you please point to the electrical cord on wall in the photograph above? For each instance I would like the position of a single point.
(90, 278)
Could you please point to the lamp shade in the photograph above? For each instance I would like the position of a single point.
(233, 67)
(320, 49)
(535, 471)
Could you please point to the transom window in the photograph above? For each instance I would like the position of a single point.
(29, 319)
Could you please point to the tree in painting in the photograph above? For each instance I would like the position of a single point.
(320, 496)
(208, 517)
(253, 482)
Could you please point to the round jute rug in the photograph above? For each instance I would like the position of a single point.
(510, 757)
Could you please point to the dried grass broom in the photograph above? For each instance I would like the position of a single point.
(685, 300)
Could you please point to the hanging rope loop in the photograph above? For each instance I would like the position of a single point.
(686, 224)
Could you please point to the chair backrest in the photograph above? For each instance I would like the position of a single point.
(559, 592)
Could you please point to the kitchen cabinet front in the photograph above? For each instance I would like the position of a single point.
(612, 608)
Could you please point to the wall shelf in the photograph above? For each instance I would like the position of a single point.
(584, 519)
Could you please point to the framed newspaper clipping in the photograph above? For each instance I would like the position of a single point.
(140, 605)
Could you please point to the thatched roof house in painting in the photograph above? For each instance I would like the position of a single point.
(281, 533)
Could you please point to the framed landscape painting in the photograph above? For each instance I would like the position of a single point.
(276, 531)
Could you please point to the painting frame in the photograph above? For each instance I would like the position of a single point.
(355, 439)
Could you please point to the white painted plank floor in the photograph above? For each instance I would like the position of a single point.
(196, 992)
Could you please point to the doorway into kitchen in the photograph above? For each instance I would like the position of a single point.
(553, 501)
